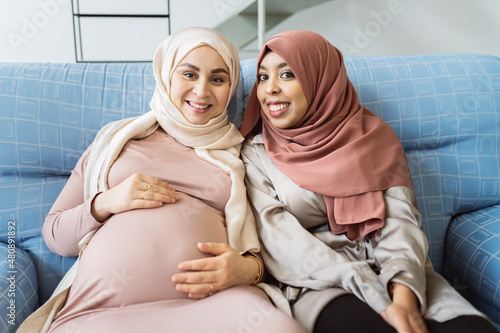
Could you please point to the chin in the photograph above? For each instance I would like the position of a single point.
(198, 121)
(279, 125)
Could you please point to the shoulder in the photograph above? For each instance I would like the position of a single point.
(253, 147)
(401, 192)
(81, 165)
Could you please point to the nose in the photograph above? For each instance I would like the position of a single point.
(272, 86)
(201, 88)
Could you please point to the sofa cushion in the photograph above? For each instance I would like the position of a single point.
(472, 255)
(18, 286)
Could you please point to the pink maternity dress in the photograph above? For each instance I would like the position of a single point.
(123, 283)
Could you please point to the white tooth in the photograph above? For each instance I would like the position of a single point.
(277, 107)
(198, 106)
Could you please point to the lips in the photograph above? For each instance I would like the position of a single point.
(276, 109)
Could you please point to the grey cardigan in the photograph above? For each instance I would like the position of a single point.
(313, 266)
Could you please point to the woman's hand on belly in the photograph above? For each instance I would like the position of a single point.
(226, 269)
(137, 191)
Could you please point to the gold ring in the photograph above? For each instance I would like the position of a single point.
(143, 194)
(147, 187)
(211, 292)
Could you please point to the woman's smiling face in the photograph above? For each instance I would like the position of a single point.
(279, 92)
(200, 85)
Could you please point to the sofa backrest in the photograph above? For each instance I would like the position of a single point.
(49, 114)
(442, 107)
(445, 110)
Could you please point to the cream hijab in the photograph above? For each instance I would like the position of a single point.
(217, 141)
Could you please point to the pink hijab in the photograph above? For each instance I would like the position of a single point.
(339, 149)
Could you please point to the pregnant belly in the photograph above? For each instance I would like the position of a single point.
(133, 256)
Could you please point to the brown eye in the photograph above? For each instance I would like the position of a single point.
(188, 75)
(287, 75)
(262, 77)
(218, 80)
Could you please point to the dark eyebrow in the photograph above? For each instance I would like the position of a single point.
(193, 67)
(197, 69)
(283, 64)
(220, 70)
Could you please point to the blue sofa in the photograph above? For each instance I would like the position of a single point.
(444, 108)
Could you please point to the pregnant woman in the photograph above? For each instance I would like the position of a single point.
(156, 209)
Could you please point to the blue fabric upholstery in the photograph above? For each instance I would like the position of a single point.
(18, 286)
(444, 108)
(472, 258)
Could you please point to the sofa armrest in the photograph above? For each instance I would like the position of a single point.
(18, 286)
(472, 264)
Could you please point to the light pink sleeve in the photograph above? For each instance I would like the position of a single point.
(70, 218)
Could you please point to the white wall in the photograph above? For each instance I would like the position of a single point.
(36, 31)
(203, 13)
(382, 27)
(42, 30)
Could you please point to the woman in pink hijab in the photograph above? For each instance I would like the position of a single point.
(334, 202)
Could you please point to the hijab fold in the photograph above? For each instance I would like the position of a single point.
(350, 154)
